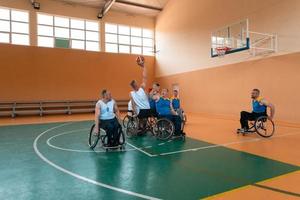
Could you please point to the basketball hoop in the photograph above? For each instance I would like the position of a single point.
(221, 51)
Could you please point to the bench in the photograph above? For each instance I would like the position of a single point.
(41, 108)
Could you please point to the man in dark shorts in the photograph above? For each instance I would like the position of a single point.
(259, 108)
(139, 98)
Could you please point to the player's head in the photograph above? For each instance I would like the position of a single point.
(255, 93)
(175, 93)
(164, 93)
(156, 87)
(134, 85)
(106, 94)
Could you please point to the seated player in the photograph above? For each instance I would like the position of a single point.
(130, 110)
(106, 117)
(153, 96)
(176, 104)
(259, 108)
(165, 109)
(139, 98)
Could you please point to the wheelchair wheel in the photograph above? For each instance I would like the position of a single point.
(93, 138)
(164, 129)
(132, 127)
(151, 122)
(121, 137)
(264, 127)
(126, 120)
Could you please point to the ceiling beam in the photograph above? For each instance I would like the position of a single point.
(138, 5)
(106, 8)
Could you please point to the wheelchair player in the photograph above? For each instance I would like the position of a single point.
(107, 117)
(259, 108)
(139, 98)
(165, 109)
(175, 100)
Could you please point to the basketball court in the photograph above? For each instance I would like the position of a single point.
(59, 57)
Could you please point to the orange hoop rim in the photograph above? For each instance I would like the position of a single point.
(223, 49)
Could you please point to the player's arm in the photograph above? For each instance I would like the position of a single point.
(271, 106)
(97, 114)
(133, 105)
(144, 80)
(156, 97)
(172, 109)
(117, 112)
(151, 93)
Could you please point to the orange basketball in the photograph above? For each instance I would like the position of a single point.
(140, 60)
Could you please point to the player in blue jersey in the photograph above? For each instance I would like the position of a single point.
(259, 108)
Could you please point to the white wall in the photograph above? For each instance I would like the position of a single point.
(183, 30)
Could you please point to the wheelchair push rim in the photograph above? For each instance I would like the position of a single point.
(121, 136)
(264, 126)
(93, 138)
(132, 127)
(125, 120)
(164, 129)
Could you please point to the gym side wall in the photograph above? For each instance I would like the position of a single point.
(226, 90)
(34, 73)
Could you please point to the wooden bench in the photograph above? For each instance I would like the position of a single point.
(41, 108)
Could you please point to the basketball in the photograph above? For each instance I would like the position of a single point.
(140, 60)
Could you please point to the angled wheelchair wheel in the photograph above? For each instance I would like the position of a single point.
(132, 127)
(125, 121)
(264, 126)
(164, 129)
(121, 136)
(93, 137)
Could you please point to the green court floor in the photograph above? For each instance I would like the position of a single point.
(53, 161)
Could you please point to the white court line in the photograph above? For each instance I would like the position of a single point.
(77, 175)
(141, 150)
(222, 145)
(79, 150)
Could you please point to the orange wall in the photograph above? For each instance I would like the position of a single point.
(33, 73)
(226, 90)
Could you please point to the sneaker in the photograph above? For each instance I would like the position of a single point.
(243, 130)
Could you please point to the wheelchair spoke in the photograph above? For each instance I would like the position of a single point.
(264, 127)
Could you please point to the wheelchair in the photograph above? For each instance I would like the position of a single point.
(161, 128)
(127, 118)
(263, 126)
(102, 136)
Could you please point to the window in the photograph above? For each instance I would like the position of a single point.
(125, 39)
(14, 26)
(65, 32)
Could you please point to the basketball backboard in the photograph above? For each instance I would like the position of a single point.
(234, 37)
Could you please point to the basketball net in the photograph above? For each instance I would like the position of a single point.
(221, 51)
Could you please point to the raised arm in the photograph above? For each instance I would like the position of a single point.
(271, 106)
(97, 114)
(144, 80)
